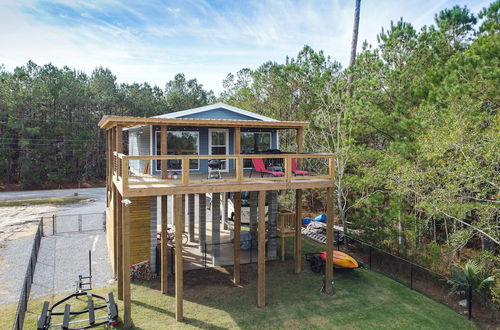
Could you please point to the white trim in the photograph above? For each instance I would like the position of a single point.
(172, 131)
(183, 113)
(225, 130)
(151, 141)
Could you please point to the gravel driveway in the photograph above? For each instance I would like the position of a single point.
(62, 257)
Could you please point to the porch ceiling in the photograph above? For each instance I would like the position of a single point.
(108, 122)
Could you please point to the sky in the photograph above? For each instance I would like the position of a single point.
(151, 41)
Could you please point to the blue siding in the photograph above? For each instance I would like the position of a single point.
(219, 113)
(203, 133)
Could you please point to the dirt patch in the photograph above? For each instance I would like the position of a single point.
(17, 222)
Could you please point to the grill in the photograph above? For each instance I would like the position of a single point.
(214, 168)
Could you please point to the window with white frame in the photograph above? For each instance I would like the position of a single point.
(218, 144)
(179, 143)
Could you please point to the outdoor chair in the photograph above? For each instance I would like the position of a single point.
(259, 167)
(295, 171)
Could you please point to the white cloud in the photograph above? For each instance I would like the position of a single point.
(154, 41)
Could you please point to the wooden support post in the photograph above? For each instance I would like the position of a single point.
(119, 139)
(329, 240)
(261, 263)
(119, 244)
(238, 166)
(300, 140)
(163, 151)
(126, 263)
(178, 217)
(298, 227)
(237, 140)
(164, 245)
(237, 234)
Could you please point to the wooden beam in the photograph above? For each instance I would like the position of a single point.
(329, 240)
(126, 121)
(237, 234)
(298, 227)
(163, 151)
(119, 244)
(178, 218)
(261, 263)
(164, 245)
(127, 316)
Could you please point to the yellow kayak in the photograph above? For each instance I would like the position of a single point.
(341, 259)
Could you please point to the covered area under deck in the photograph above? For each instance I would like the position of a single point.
(130, 181)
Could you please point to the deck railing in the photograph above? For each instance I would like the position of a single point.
(140, 170)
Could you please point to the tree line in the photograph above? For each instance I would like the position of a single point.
(414, 127)
(413, 123)
(49, 116)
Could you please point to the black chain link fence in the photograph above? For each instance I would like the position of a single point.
(28, 280)
(72, 223)
(476, 305)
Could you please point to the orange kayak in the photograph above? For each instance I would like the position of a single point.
(341, 259)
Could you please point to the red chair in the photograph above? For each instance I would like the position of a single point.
(259, 167)
(295, 170)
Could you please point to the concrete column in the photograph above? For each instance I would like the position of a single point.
(216, 228)
(272, 225)
(202, 221)
(191, 217)
(253, 214)
(153, 230)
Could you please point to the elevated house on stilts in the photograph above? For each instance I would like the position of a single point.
(173, 161)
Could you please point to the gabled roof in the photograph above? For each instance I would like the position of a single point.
(179, 114)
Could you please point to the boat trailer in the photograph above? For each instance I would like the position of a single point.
(70, 320)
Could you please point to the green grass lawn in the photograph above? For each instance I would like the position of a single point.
(25, 202)
(363, 300)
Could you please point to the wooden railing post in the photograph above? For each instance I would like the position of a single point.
(288, 168)
(239, 168)
(331, 167)
(185, 170)
(125, 173)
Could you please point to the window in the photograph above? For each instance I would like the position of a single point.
(254, 142)
(179, 143)
(218, 144)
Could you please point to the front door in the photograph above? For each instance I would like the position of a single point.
(218, 144)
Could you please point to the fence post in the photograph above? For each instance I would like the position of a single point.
(79, 223)
(411, 276)
(370, 257)
(53, 224)
(469, 302)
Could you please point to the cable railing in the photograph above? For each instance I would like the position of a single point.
(187, 170)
